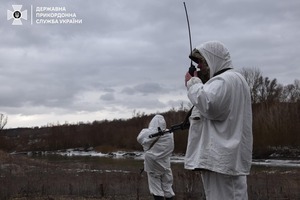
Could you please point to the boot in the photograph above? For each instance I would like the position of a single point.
(170, 198)
(158, 197)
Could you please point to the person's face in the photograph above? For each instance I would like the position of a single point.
(203, 74)
(203, 66)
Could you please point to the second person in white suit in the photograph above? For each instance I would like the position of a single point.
(158, 151)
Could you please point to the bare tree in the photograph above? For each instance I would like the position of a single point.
(291, 92)
(296, 93)
(269, 91)
(252, 76)
(262, 89)
(3, 121)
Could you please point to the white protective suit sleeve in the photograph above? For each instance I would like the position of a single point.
(212, 98)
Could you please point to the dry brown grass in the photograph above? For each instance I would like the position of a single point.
(88, 178)
(3, 156)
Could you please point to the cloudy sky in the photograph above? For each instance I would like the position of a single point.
(121, 57)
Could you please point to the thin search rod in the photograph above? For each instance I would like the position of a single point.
(188, 23)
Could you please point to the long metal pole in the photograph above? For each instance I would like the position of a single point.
(188, 23)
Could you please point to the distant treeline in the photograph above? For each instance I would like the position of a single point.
(118, 134)
(276, 123)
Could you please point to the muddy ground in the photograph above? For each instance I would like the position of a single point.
(80, 178)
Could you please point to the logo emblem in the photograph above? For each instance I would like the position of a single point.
(17, 15)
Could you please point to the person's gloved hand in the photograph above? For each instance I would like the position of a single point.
(189, 80)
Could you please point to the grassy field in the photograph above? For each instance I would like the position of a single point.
(82, 178)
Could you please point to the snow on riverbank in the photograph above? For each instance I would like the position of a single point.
(277, 163)
(140, 156)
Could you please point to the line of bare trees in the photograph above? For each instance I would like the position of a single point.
(276, 112)
(276, 122)
(265, 90)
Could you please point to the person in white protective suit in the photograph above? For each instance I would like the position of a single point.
(158, 151)
(220, 133)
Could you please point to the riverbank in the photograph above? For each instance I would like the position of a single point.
(274, 160)
(116, 176)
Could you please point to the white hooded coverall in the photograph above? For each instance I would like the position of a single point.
(157, 158)
(220, 134)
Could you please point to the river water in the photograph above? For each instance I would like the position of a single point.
(136, 155)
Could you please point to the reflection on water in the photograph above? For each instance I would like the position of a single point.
(122, 156)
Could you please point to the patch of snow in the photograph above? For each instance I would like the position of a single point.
(277, 163)
(137, 155)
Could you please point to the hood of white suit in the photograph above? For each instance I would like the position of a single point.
(216, 55)
(158, 121)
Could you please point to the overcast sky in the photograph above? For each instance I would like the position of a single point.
(130, 56)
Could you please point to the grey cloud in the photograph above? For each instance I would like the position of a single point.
(128, 91)
(107, 97)
(145, 89)
(130, 53)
